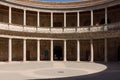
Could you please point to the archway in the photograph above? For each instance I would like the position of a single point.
(58, 53)
(118, 53)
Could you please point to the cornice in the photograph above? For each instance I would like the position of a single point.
(53, 6)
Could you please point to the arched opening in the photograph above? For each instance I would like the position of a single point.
(118, 53)
(58, 53)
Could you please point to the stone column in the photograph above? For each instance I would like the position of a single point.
(38, 50)
(65, 53)
(64, 19)
(10, 15)
(106, 16)
(78, 50)
(38, 19)
(51, 19)
(92, 51)
(24, 17)
(24, 50)
(51, 50)
(10, 50)
(105, 50)
(78, 19)
(91, 17)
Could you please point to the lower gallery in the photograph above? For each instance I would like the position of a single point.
(14, 49)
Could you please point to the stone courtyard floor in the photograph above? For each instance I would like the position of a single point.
(59, 71)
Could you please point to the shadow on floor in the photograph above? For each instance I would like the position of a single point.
(111, 73)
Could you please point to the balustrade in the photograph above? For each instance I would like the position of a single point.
(114, 26)
(12, 27)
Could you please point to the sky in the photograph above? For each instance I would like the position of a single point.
(59, 0)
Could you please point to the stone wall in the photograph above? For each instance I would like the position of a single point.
(85, 50)
(113, 45)
(45, 48)
(3, 49)
(71, 50)
(31, 18)
(45, 19)
(17, 16)
(4, 14)
(31, 50)
(71, 19)
(17, 50)
(99, 48)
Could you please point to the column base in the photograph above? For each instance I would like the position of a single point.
(24, 60)
(64, 60)
(38, 60)
(78, 60)
(91, 61)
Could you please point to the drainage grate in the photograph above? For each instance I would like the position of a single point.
(60, 71)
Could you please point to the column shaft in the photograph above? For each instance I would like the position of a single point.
(51, 19)
(38, 50)
(10, 15)
(78, 50)
(106, 16)
(51, 50)
(38, 19)
(92, 51)
(105, 56)
(64, 19)
(91, 17)
(78, 19)
(65, 50)
(10, 50)
(24, 50)
(24, 17)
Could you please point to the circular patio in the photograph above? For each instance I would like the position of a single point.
(47, 70)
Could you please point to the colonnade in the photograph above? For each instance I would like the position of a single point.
(52, 47)
(51, 17)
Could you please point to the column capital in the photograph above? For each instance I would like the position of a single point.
(64, 12)
(10, 7)
(65, 39)
(38, 39)
(24, 38)
(38, 11)
(10, 37)
(24, 9)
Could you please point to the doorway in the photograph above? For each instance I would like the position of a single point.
(118, 53)
(58, 53)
